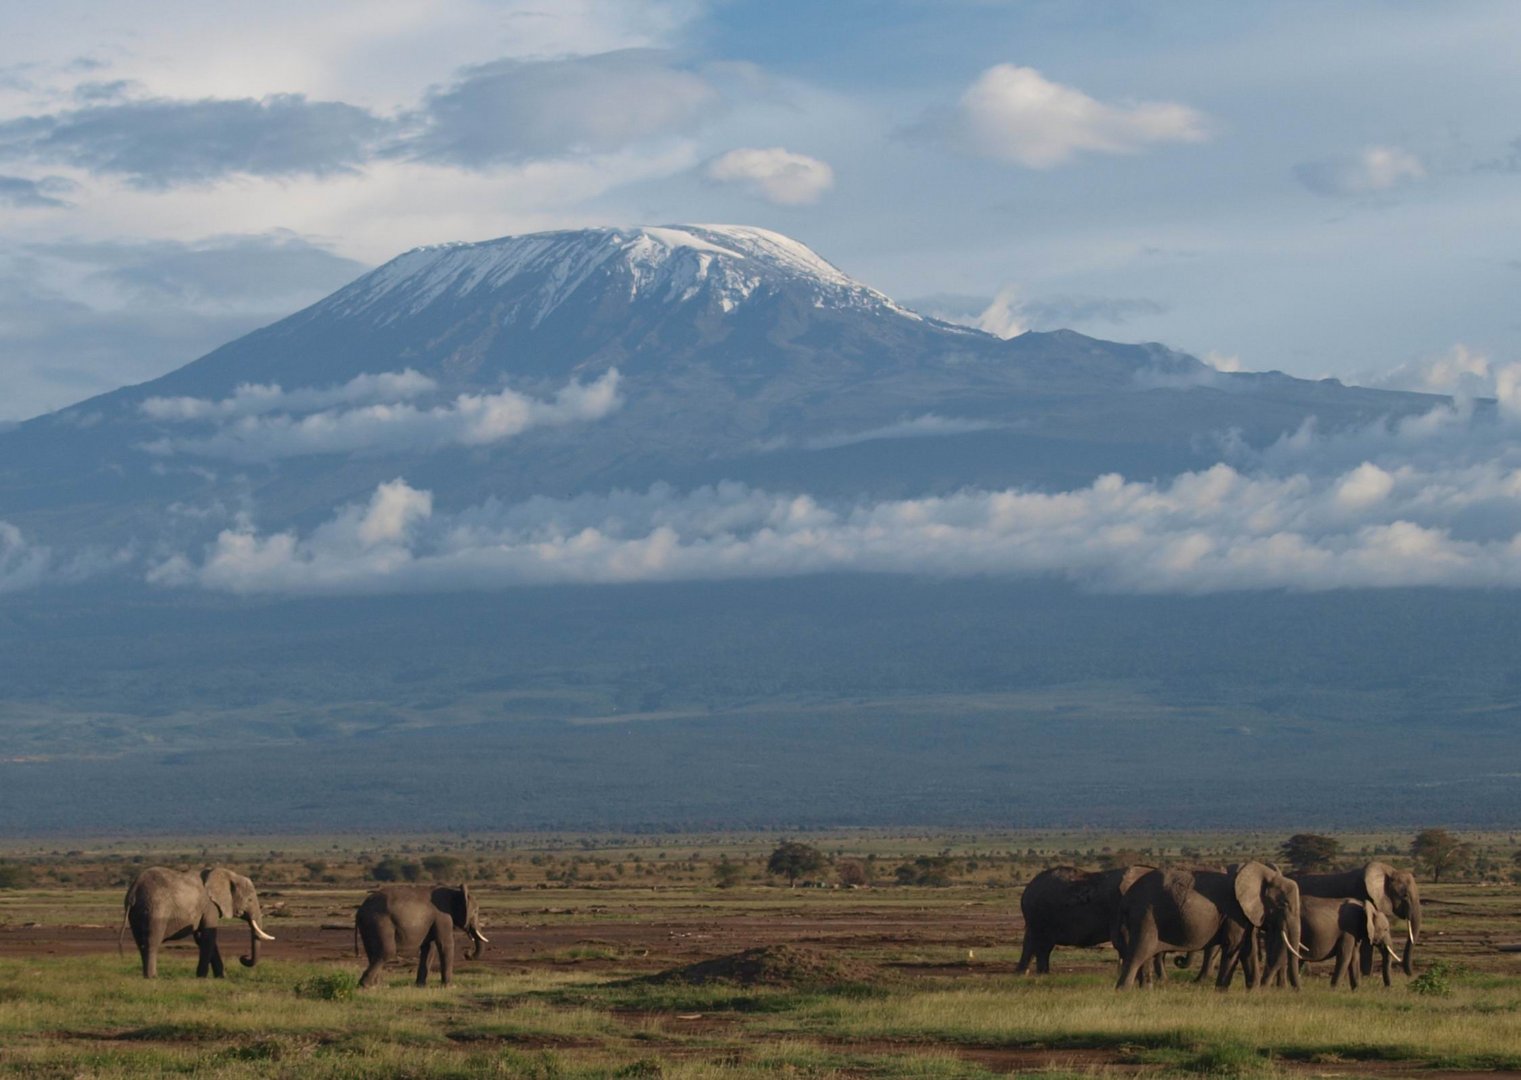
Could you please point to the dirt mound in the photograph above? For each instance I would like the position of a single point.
(774, 965)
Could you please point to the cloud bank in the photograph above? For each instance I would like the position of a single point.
(1016, 114)
(158, 143)
(516, 110)
(1210, 531)
(261, 429)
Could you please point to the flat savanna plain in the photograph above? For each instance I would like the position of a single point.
(887, 980)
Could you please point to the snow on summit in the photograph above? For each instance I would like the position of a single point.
(669, 264)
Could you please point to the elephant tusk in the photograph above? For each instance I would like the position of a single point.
(1285, 935)
(482, 938)
(259, 932)
(1410, 933)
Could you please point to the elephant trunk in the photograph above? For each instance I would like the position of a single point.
(1412, 932)
(478, 940)
(256, 934)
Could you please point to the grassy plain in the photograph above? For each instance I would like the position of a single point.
(884, 981)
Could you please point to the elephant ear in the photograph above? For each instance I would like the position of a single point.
(1248, 883)
(1132, 875)
(243, 894)
(1371, 913)
(218, 884)
(1376, 881)
(462, 906)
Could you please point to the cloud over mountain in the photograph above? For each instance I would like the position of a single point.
(774, 174)
(261, 426)
(1211, 531)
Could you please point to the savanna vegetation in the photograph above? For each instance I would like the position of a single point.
(635, 956)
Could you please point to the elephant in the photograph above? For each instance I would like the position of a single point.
(1187, 910)
(423, 917)
(1067, 906)
(1346, 929)
(1393, 891)
(166, 905)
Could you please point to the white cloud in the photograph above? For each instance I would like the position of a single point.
(1370, 170)
(1223, 362)
(251, 399)
(1004, 315)
(1209, 531)
(1460, 372)
(926, 425)
(23, 565)
(1016, 114)
(468, 420)
(776, 175)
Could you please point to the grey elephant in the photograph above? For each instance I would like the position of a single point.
(1187, 910)
(1345, 929)
(1067, 906)
(167, 905)
(399, 918)
(1392, 891)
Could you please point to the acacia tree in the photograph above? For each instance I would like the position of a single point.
(1439, 852)
(1310, 851)
(793, 860)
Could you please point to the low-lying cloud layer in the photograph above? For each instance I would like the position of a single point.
(251, 399)
(1209, 531)
(257, 423)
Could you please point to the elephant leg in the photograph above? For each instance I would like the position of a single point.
(214, 954)
(422, 958)
(1140, 947)
(1043, 957)
(153, 940)
(1026, 953)
(202, 953)
(445, 947)
(1206, 961)
(379, 946)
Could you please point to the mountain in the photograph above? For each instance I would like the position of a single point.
(738, 355)
(683, 526)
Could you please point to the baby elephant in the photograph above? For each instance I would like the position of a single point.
(1336, 927)
(400, 918)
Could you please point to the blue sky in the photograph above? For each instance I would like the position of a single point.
(1323, 189)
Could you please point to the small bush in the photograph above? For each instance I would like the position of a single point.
(1436, 980)
(334, 986)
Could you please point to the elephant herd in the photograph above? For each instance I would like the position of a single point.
(1251, 916)
(168, 905)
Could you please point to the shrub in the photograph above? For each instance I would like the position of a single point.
(441, 867)
(393, 869)
(1436, 980)
(15, 875)
(334, 986)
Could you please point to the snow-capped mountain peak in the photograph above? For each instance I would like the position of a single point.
(539, 272)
